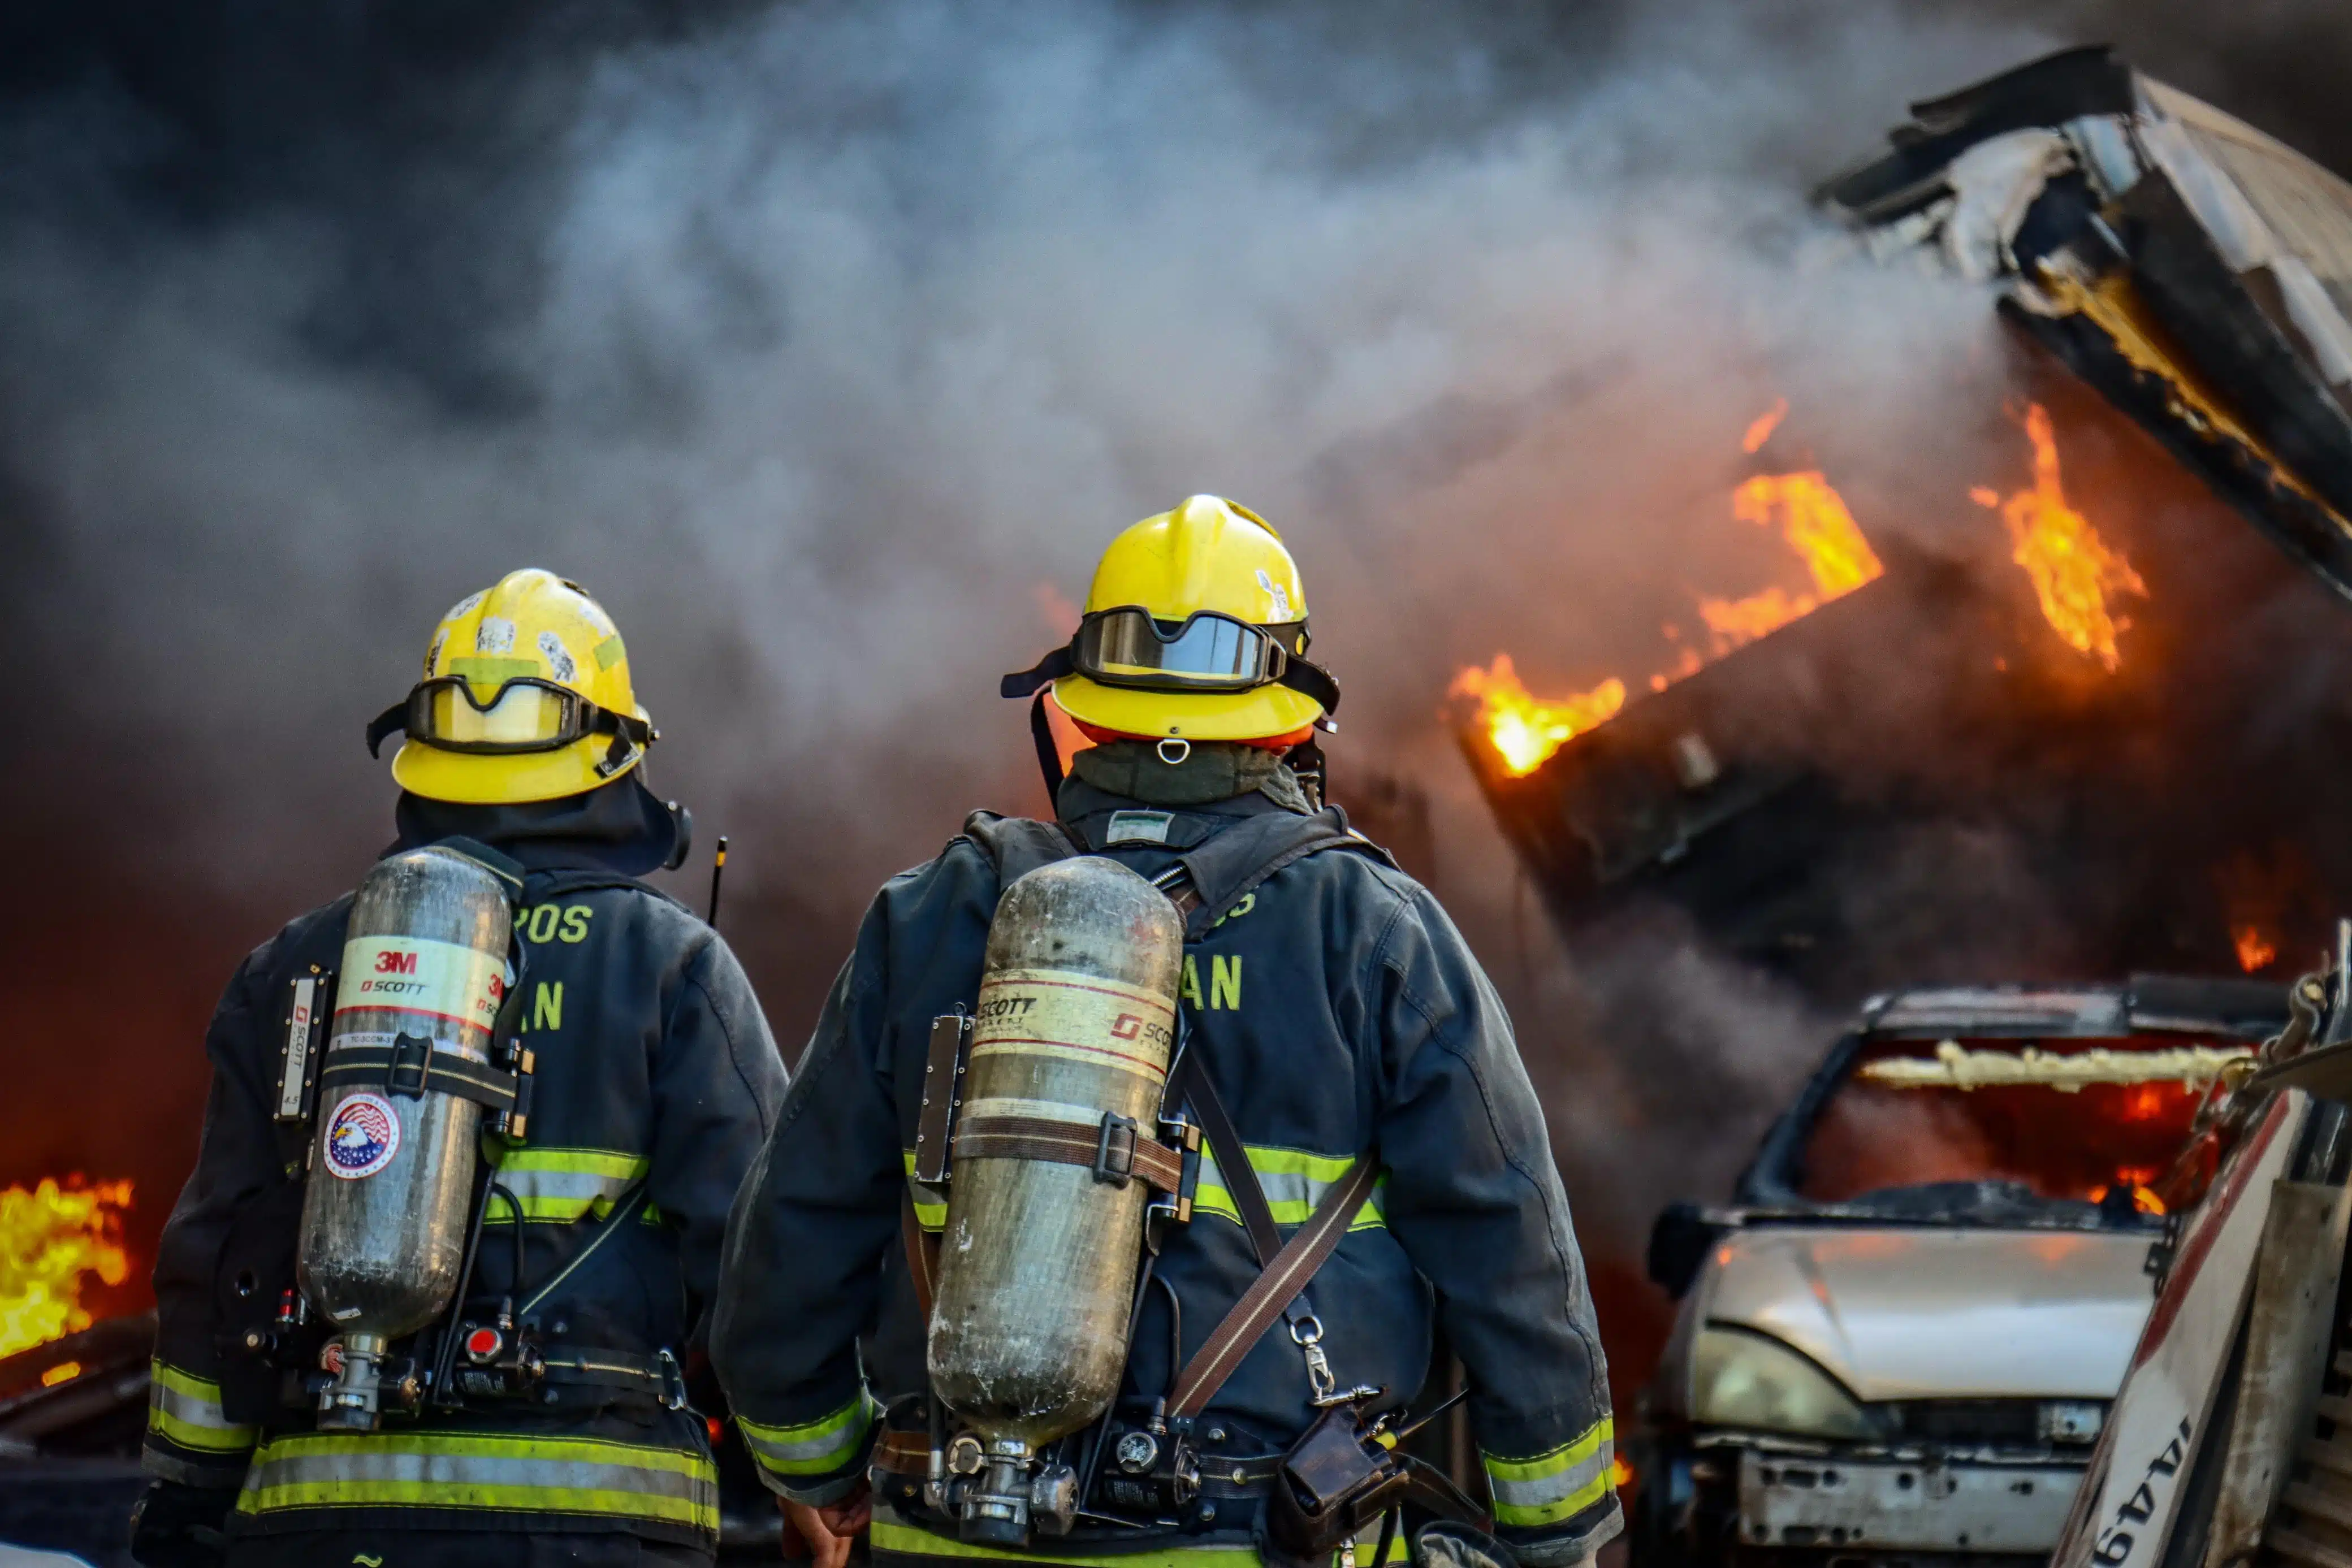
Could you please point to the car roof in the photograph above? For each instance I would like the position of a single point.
(2145, 1004)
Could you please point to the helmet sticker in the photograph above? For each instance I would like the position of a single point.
(493, 636)
(1277, 593)
(559, 657)
(362, 1136)
(433, 654)
(464, 604)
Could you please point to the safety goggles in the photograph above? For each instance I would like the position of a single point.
(526, 714)
(1206, 651)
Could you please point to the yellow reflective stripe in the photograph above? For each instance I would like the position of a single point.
(450, 1470)
(560, 1186)
(185, 1409)
(813, 1447)
(1554, 1486)
(931, 1203)
(888, 1534)
(1294, 1182)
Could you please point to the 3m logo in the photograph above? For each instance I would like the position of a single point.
(389, 963)
(1127, 1027)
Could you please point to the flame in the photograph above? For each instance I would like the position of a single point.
(2255, 949)
(1760, 429)
(2072, 568)
(1814, 519)
(1621, 1474)
(1525, 729)
(50, 1238)
(2143, 1199)
(63, 1371)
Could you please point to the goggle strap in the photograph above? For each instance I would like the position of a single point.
(1049, 755)
(1311, 681)
(394, 719)
(1039, 676)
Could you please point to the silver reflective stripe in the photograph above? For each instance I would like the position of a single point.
(510, 1475)
(1293, 1182)
(185, 1409)
(1529, 1493)
(813, 1447)
(562, 1185)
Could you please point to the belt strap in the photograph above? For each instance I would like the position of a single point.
(1115, 1148)
(413, 1066)
(922, 1259)
(1285, 1275)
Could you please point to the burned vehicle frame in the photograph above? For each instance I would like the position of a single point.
(1916, 1374)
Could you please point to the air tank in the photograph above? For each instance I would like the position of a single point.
(392, 1173)
(1076, 1017)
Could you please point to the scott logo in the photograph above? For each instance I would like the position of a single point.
(1127, 1027)
(395, 962)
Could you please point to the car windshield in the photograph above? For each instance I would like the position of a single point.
(2083, 1119)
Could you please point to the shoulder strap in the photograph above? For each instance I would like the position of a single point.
(1234, 861)
(1286, 1276)
(1018, 845)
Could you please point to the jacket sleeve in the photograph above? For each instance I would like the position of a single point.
(1477, 1202)
(805, 1244)
(190, 1438)
(718, 1084)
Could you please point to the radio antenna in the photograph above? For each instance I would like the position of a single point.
(718, 870)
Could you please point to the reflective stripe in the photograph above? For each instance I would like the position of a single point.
(562, 1184)
(510, 1475)
(814, 1448)
(185, 1409)
(890, 1533)
(1294, 1182)
(931, 1203)
(1555, 1486)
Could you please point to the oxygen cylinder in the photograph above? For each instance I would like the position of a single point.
(390, 1187)
(1076, 1017)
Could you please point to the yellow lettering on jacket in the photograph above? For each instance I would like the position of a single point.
(1225, 982)
(575, 923)
(547, 1006)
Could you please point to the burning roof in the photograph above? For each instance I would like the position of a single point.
(2194, 271)
(2040, 723)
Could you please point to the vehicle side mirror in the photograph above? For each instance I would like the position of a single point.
(1679, 1243)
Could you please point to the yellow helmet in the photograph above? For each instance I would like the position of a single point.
(1195, 628)
(526, 696)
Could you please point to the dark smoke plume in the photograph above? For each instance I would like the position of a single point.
(827, 344)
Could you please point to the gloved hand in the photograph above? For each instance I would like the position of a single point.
(1445, 1545)
(175, 1526)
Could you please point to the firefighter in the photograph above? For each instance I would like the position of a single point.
(656, 1082)
(1333, 1007)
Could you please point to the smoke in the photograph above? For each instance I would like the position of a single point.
(825, 343)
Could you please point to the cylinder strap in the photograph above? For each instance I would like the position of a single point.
(413, 1072)
(1114, 1149)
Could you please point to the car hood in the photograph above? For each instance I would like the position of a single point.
(1920, 1314)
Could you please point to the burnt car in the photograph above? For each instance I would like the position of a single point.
(1898, 1342)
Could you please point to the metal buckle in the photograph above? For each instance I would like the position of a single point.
(411, 1055)
(1118, 1175)
(672, 1381)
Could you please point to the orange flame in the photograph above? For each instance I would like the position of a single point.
(1621, 1474)
(2255, 949)
(1760, 429)
(1525, 729)
(50, 1238)
(2072, 568)
(1814, 520)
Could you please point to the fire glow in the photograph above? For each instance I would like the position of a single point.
(51, 1238)
(2073, 570)
(1524, 730)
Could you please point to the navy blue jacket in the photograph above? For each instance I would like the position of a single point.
(654, 1062)
(1336, 1009)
